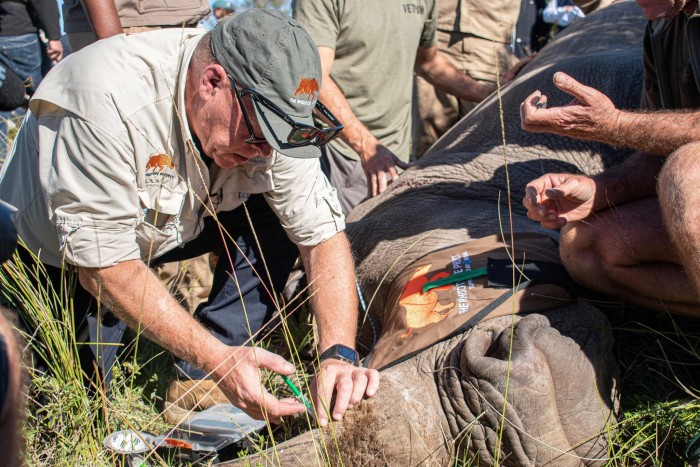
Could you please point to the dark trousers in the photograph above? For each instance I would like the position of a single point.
(241, 300)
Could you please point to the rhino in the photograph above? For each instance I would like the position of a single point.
(554, 401)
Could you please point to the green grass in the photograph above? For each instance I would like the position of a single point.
(66, 422)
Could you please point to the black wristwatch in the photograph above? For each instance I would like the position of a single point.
(341, 352)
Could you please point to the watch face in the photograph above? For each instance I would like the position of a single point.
(347, 353)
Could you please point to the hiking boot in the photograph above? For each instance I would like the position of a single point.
(185, 397)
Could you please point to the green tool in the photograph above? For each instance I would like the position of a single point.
(459, 277)
(297, 393)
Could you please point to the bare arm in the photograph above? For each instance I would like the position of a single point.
(377, 161)
(334, 300)
(555, 199)
(104, 18)
(592, 116)
(135, 295)
(438, 71)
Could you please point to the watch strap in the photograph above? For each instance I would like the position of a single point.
(341, 352)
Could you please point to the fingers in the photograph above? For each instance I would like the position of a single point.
(566, 83)
(351, 384)
(273, 362)
(529, 107)
(275, 409)
(400, 164)
(379, 181)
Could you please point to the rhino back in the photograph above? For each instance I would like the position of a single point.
(462, 187)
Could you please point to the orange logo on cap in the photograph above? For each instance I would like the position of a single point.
(158, 162)
(307, 87)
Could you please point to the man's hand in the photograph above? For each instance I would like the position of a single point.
(54, 49)
(589, 116)
(555, 199)
(242, 384)
(380, 165)
(515, 69)
(350, 384)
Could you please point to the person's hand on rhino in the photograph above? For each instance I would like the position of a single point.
(350, 383)
(511, 74)
(379, 164)
(589, 116)
(555, 199)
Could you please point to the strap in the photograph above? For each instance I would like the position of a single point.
(470, 323)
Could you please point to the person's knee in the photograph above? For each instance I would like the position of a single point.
(585, 253)
(677, 188)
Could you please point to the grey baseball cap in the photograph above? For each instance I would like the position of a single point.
(272, 54)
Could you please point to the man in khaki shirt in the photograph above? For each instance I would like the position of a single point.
(142, 149)
(475, 36)
(369, 51)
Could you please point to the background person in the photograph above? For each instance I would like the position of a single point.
(86, 21)
(369, 51)
(476, 36)
(220, 9)
(21, 47)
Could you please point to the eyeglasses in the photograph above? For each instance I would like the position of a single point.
(301, 134)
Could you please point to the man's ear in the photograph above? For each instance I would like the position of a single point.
(212, 80)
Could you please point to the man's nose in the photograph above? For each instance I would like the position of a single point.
(260, 150)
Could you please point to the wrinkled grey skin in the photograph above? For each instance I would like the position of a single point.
(447, 403)
(452, 193)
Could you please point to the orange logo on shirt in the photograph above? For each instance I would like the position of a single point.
(158, 162)
(307, 87)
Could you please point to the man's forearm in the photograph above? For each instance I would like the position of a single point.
(135, 295)
(104, 18)
(354, 133)
(658, 133)
(438, 71)
(634, 179)
(333, 292)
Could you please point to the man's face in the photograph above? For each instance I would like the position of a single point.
(658, 9)
(222, 131)
(220, 13)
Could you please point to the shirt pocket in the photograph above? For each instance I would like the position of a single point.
(160, 229)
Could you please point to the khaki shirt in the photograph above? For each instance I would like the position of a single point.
(375, 43)
(132, 13)
(104, 168)
(492, 19)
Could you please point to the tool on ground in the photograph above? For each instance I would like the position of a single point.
(202, 437)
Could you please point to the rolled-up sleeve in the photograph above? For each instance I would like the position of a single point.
(90, 191)
(304, 200)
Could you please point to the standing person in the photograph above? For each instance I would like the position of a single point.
(21, 46)
(86, 21)
(160, 146)
(220, 9)
(476, 37)
(633, 231)
(369, 51)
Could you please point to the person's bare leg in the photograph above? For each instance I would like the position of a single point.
(626, 253)
(11, 406)
(679, 198)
